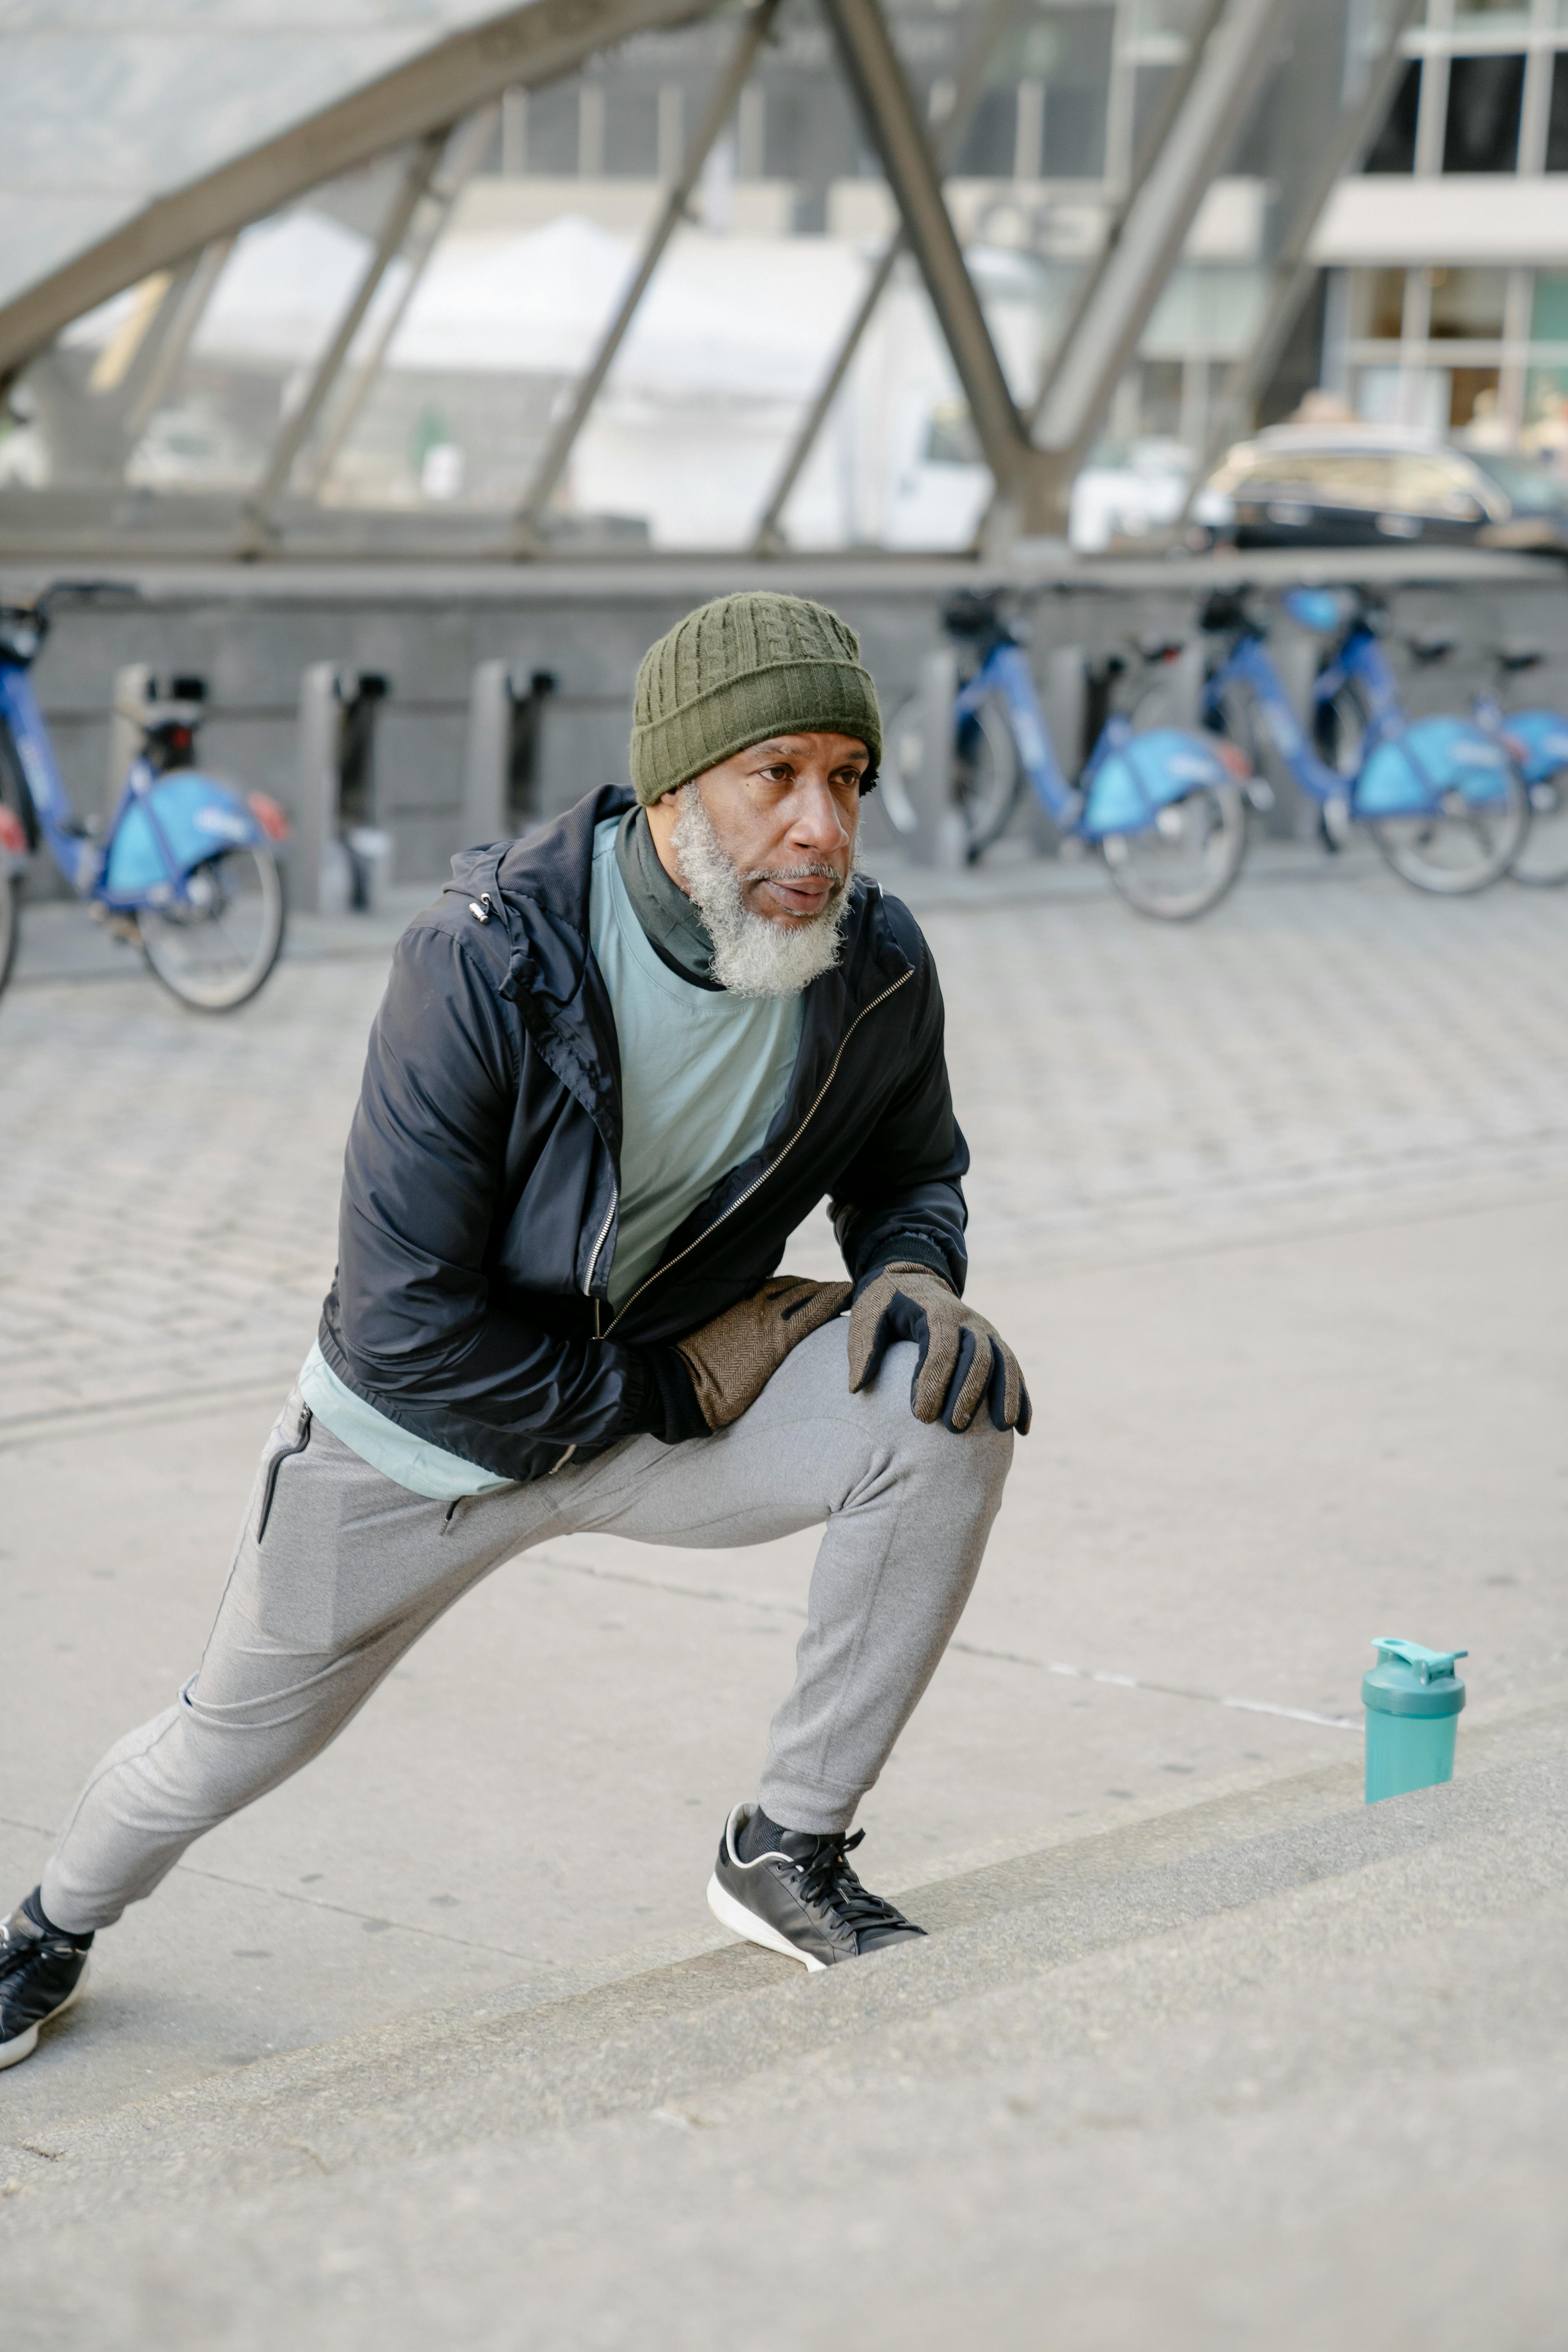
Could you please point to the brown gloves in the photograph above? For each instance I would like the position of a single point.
(963, 1362)
(732, 1359)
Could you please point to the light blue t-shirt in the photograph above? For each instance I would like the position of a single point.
(703, 1075)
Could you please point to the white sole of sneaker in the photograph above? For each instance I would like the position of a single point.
(741, 1922)
(22, 2045)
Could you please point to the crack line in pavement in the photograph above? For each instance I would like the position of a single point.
(970, 1648)
(315, 1901)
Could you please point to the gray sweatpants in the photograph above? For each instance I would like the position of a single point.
(352, 1568)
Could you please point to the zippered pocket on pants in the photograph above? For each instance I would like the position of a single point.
(284, 1454)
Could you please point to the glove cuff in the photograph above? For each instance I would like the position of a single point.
(911, 1251)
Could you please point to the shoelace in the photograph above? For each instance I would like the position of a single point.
(827, 1878)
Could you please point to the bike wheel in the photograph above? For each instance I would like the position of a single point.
(215, 953)
(10, 923)
(985, 771)
(1183, 863)
(1460, 847)
(903, 756)
(1542, 863)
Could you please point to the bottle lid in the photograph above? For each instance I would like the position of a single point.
(1409, 1679)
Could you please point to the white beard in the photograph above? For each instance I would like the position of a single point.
(752, 957)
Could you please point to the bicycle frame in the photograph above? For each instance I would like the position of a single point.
(1407, 768)
(1127, 779)
(1005, 671)
(164, 825)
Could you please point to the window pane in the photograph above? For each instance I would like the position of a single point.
(1429, 486)
(1482, 131)
(1377, 304)
(1548, 311)
(1468, 302)
(1557, 122)
(1545, 431)
(1394, 149)
(1333, 477)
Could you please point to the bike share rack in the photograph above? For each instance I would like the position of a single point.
(343, 859)
(501, 754)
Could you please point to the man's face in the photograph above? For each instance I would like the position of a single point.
(786, 813)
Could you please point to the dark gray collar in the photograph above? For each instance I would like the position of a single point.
(676, 932)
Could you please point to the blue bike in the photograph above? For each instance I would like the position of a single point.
(1536, 740)
(1166, 809)
(1442, 797)
(182, 867)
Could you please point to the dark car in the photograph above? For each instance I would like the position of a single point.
(1296, 486)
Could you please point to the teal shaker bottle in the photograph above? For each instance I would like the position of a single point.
(1411, 1698)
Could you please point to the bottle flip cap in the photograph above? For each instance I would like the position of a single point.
(1409, 1679)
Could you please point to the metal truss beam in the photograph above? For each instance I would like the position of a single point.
(950, 136)
(552, 465)
(1293, 275)
(519, 47)
(291, 438)
(195, 289)
(466, 150)
(1153, 140)
(886, 103)
(1220, 94)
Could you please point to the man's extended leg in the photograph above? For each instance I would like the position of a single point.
(337, 1571)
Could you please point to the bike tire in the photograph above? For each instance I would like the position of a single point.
(10, 924)
(1542, 862)
(1174, 872)
(1431, 853)
(904, 757)
(986, 771)
(208, 965)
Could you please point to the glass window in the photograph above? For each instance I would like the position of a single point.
(1472, 397)
(1066, 52)
(1432, 485)
(1492, 16)
(1484, 98)
(1466, 303)
(1530, 490)
(1377, 304)
(1549, 308)
(1330, 477)
(1545, 431)
(1394, 149)
(1557, 120)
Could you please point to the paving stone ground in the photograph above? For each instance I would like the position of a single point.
(171, 1181)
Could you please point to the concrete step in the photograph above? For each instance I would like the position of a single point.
(1271, 1990)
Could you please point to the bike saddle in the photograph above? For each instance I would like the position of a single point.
(973, 613)
(1512, 658)
(1224, 609)
(1160, 648)
(1428, 650)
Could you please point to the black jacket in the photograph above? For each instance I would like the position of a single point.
(478, 1224)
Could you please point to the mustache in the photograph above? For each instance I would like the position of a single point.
(819, 870)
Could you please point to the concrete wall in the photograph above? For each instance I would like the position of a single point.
(252, 631)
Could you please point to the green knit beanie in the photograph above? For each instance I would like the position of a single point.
(741, 669)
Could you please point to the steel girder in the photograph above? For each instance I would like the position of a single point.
(427, 94)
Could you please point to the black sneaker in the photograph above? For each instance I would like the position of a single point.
(41, 1972)
(803, 1900)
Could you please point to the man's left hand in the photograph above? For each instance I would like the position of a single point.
(963, 1360)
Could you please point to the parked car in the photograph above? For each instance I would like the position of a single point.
(1368, 486)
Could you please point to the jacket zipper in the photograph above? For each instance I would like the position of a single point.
(759, 1181)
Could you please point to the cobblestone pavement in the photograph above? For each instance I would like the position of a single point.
(171, 1182)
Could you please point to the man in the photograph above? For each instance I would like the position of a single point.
(615, 1067)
